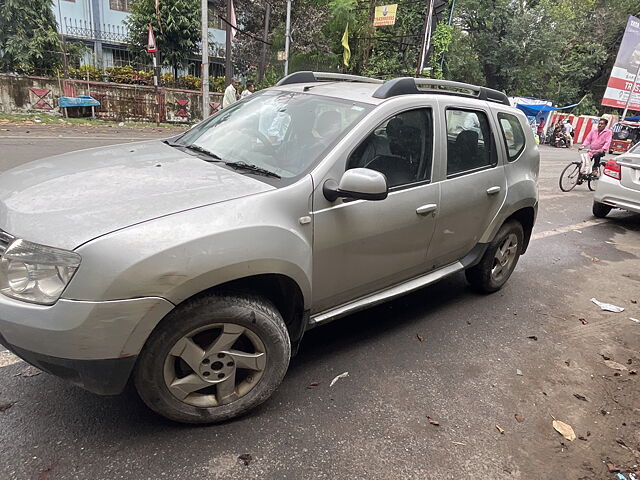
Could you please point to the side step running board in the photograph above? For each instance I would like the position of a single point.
(384, 295)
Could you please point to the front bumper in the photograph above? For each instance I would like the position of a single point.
(104, 377)
(92, 344)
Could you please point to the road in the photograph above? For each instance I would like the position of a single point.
(443, 352)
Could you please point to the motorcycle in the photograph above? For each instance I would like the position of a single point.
(559, 140)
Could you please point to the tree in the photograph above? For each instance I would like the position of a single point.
(29, 42)
(545, 48)
(176, 27)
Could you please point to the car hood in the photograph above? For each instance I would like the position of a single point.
(67, 200)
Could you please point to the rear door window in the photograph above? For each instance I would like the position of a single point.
(470, 145)
(513, 135)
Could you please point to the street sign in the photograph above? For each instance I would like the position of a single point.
(151, 42)
(385, 15)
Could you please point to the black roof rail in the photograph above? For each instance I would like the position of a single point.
(312, 77)
(409, 85)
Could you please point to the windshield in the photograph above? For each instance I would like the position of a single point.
(635, 148)
(282, 132)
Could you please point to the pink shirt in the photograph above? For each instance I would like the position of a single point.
(598, 140)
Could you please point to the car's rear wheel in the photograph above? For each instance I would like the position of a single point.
(214, 358)
(600, 210)
(499, 260)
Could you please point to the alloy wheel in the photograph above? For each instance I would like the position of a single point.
(215, 365)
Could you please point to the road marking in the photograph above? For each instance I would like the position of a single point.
(568, 228)
(8, 358)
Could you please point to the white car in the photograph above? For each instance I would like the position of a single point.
(619, 184)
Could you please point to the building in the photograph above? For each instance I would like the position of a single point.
(100, 24)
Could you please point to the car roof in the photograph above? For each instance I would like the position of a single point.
(357, 92)
(374, 91)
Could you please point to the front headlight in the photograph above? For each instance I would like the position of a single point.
(36, 273)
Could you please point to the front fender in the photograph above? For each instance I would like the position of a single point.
(178, 256)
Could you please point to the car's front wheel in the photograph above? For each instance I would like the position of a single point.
(499, 260)
(213, 358)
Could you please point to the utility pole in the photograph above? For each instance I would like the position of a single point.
(287, 39)
(265, 36)
(427, 38)
(228, 67)
(205, 59)
(633, 87)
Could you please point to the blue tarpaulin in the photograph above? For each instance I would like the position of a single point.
(81, 101)
(535, 110)
(632, 119)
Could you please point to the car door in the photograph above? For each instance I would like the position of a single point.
(364, 246)
(474, 187)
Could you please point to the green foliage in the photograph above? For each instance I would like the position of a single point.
(129, 75)
(587, 106)
(556, 50)
(176, 28)
(29, 43)
(84, 72)
(440, 41)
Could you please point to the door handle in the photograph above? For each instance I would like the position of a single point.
(493, 190)
(426, 209)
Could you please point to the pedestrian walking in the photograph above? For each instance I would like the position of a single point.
(230, 94)
(247, 91)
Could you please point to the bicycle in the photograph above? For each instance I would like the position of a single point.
(573, 175)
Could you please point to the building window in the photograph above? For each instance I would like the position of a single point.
(121, 58)
(121, 5)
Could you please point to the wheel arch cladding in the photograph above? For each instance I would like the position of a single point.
(526, 217)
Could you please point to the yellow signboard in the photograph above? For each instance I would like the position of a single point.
(385, 15)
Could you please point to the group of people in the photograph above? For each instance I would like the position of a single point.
(231, 94)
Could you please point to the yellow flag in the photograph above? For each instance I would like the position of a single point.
(346, 54)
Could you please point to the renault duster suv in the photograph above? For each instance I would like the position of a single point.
(193, 266)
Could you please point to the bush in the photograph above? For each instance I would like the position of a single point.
(128, 74)
(217, 84)
(81, 73)
(189, 82)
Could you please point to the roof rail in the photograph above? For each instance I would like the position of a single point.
(311, 77)
(409, 85)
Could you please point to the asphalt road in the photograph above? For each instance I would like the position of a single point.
(461, 372)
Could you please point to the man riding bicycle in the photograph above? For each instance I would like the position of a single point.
(598, 142)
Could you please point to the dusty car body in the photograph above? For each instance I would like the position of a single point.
(196, 276)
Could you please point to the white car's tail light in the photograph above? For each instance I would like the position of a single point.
(613, 170)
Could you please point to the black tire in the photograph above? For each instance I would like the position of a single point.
(480, 276)
(253, 313)
(569, 177)
(592, 182)
(600, 210)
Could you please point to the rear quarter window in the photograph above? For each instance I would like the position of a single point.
(513, 135)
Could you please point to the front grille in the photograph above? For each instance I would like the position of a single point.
(5, 240)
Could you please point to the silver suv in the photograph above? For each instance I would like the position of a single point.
(193, 266)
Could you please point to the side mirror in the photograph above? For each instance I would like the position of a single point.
(359, 184)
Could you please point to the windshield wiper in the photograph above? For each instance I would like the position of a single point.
(252, 168)
(198, 148)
